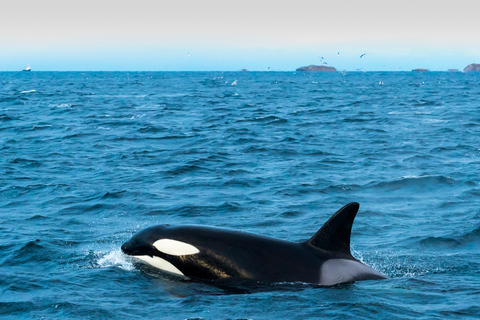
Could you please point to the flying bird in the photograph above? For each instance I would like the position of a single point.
(362, 55)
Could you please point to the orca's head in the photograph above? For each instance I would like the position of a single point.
(141, 244)
(161, 247)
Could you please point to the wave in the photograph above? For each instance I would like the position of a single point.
(19, 308)
(246, 182)
(471, 236)
(437, 242)
(38, 217)
(446, 242)
(192, 184)
(14, 191)
(42, 127)
(80, 209)
(152, 129)
(415, 181)
(277, 121)
(424, 103)
(291, 214)
(5, 118)
(62, 105)
(360, 119)
(255, 149)
(424, 182)
(238, 172)
(10, 99)
(33, 251)
(197, 211)
(266, 120)
(79, 135)
(114, 195)
(184, 169)
(27, 162)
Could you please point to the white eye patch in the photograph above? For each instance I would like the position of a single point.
(174, 247)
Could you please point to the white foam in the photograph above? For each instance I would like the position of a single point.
(114, 259)
(174, 247)
(28, 91)
(62, 105)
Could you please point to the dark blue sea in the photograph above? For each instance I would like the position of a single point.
(88, 159)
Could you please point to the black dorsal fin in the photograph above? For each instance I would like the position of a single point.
(335, 233)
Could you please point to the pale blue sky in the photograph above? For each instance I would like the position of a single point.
(231, 35)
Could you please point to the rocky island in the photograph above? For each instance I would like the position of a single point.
(472, 67)
(420, 70)
(316, 68)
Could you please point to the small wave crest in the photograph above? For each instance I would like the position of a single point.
(60, 105)
(436, 242)
(113, 258)
(428, 179)
(472, 236)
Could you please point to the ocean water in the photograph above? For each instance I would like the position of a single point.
(88, 159)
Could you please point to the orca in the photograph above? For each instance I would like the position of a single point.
(215, 254)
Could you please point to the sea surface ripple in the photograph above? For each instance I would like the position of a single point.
(87, 159)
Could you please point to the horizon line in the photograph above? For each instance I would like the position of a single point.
(453, 70)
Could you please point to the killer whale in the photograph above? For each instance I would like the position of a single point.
(215, 254)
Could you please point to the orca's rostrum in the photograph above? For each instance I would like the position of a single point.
(207, 253)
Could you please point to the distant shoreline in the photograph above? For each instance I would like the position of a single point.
(240, 71)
